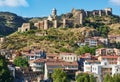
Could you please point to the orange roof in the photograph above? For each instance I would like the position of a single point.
(46, 60)
(86, 55)
(70, 63)
(39, 60)
(92, 61)
(52, 55)
(63, 53)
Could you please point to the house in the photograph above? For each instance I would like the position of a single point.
(88, 64)
(34, 54)
(102, 68)
(82, 58)
(94, 41)
(114, 38)
(69, 67)
(38, 64)
(91, 42)
(107, 51)
(105, 68)
(52, 56)
(68, 57)
(112, 59)
(26, 75)
(6, 53)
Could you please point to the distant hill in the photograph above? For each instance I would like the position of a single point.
(9, 22)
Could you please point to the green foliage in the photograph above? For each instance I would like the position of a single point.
(59, 76)
(9, 22)
(116, 45)
(5, 75)
(103, 30)
(85, 49)
(115, 78)
(64, 50)
(21, 62)
(84, 77)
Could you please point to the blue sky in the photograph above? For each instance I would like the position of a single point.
(40, 8)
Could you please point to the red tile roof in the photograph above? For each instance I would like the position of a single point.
(110, 56)
(63, 53)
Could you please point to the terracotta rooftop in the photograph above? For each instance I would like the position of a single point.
(88, 55)
(52, 55)
(46, 60)
(38, 60)
(63, 53)
(110, 56)
(31, 52)
(62, 63)
(70, 63)
(93, 61)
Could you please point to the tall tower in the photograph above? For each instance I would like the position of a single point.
(64, 23)
(46, 24)
(81, 18)
(54, 13)
(108, 11)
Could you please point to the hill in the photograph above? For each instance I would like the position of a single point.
(56, 40)
(51, 40)
(9, 22)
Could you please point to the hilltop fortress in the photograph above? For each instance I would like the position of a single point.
(76, 17)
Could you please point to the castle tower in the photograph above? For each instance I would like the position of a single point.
(100, 13)
(64, 23)
(94, 13)
(45, 24)
(108, 11)
(86, 12)
(55, 23)
(81, 18)
(54, 13)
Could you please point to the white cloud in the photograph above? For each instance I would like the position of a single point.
(116, 2)
(13, 3)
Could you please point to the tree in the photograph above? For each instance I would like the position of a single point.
(84, 77)
(107, 77)
(59, 76)
(115, 78)
(92, 79)
(21, 62)
(86, 49)
(5, 75)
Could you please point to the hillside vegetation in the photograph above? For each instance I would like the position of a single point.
(9, 22)
(55, 40)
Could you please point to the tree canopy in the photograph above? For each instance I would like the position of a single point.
(115, 78)
(59, 76)
(86, 49)
(21, 62)
(5, 75)
(84, 77)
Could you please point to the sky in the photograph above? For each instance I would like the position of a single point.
(40, 8)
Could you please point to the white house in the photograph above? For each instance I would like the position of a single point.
(102, 68)
(68, 57)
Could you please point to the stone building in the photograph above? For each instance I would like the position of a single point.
(79, 15)
(73, 19)
(25, 27)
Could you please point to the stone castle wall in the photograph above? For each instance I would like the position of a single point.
(78, 16)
